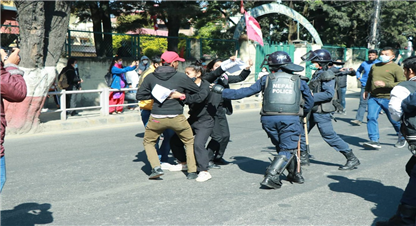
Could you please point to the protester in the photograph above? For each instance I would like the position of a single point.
(221, 133)
(201, 120)
(322, 85)
(280, 114)
(13, 89)
(168, 113)
(145, 110)
(119, 82)
(403, 106)
(132, 79)
(383, 77)
(362, 75)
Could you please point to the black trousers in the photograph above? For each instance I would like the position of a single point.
(220, 135)
(202, 128)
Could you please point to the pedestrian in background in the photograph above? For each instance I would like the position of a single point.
(119, 82)
(362, 75)
(144, 65)
(13, 89)
(73, 83)
(383, 77)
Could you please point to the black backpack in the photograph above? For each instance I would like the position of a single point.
(108, 79)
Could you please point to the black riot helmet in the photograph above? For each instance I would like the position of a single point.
(280, 60)
(319, 55)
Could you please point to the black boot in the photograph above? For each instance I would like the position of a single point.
(352, 161)
(304, 158)
(405, 216)
(272, 175)
(294, 176)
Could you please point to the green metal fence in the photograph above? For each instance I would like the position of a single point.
(262, 51)
(83, 44)
(359, 54)
(336, 52)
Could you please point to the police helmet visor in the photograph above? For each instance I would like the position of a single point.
(309, 56)
(293, 67)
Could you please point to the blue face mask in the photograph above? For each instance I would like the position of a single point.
(313, 67)
(384, 59)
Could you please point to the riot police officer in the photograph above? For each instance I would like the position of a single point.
(285, 97)
(322, 85)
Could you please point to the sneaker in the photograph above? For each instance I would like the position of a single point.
(372, 144)
(400, 143)
(156, 172)
(165, 165)
(178, 167)
(212, 165)
(203, 176)
(192, 176)
(356, 122)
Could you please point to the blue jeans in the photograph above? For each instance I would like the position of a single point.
(361, 107)
(164, 149)
(341, 96)
(2, 172)
(374, 107)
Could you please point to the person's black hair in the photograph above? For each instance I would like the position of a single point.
(116, 58)
(197, 67)
(210, 65)
(410, 63)
(156, 59)
(388, 48)
(372, 51)
(71, 61)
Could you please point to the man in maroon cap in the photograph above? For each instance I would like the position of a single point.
(168, 113)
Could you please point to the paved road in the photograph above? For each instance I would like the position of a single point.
(99, 177)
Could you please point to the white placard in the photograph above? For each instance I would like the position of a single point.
(161, 93)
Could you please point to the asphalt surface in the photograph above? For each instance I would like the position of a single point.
(98, 176)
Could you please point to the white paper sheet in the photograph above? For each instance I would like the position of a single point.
(161, 93)
(239, 65)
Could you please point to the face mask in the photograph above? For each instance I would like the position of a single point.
(339, 67)
(193, 79)
(313, 67)
(119, 63)
(76, 66)
(145, 61)
(264, 70)
(384, 59)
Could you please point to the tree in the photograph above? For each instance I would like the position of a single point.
(99, 13)
(43, 26)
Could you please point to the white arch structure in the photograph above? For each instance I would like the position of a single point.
(282, 9)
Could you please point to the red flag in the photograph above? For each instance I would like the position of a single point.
(242, 10)
(253, 29)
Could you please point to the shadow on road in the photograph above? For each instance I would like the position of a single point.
(141, 157)
(385, 198)
(27, 214)
(250, 165)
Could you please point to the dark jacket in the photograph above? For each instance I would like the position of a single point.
(13, 89)
(168, 77)
(341, 76)
(206, 108)
(72, 77)
(213, 77)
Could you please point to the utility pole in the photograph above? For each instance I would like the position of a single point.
(373, 40)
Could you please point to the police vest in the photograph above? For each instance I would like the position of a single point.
(281, 95)
(316, 85)
(408, 126)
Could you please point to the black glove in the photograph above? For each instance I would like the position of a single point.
(217, 88)
(223, 81)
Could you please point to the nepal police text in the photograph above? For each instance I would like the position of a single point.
(283, 88)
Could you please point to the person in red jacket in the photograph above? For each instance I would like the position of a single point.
(13, 89)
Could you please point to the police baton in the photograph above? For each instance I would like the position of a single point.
(305, 126)
(298, 156)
